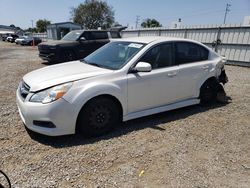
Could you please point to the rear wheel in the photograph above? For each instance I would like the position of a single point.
(208, 92)
(98, 117)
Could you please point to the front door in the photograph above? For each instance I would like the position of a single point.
(148, 90)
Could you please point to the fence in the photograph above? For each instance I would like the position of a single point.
(43, 36)
(231, 41)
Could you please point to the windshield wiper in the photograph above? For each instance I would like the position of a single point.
(90, 63)
(95, 64)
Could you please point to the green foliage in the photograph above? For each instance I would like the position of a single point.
(93, 14)
(32, 30)
(41, 25)
(150, 23)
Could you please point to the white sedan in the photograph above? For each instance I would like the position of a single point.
(20, 39)
(125, 79)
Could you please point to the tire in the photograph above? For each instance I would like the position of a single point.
(208, 93)
(69, 55)
(98, 117)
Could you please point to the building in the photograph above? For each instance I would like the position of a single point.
(10, 30)
(246, 21)
(6, 29)
(57, 30)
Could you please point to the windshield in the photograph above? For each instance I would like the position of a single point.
(113, 55)
(72, 36)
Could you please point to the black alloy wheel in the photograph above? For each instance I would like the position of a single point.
(98, 117)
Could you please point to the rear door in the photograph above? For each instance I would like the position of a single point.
(100, 38)
(194, 67)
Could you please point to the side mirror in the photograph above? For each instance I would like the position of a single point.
(82, 39)
(142, 67)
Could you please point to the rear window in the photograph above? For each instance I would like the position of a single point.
(114, 34)
(99, 35)
(187, 52)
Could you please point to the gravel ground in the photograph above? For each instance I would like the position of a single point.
(188, 147)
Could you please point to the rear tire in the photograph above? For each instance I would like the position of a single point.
(98, 117)
(208, 93)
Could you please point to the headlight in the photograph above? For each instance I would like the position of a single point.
(51, 94)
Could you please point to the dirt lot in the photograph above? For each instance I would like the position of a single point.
(189, 147)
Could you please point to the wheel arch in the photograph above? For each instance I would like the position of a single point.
(109, 96)
(210, 79)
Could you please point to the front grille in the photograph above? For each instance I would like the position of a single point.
(24, 89)
(43, 48)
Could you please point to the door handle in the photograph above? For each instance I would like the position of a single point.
(172, 74)
(205, 67)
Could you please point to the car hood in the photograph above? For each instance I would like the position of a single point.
(58, 42)
(57, 74)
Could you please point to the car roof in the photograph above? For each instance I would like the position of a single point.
(150, 39)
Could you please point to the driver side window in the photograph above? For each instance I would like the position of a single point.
(159, 56)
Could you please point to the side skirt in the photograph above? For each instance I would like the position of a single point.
(160, 109)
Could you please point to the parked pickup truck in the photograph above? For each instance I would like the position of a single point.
(76, 44)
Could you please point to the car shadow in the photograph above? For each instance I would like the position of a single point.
(152, 121)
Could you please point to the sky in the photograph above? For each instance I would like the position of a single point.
(192, 12)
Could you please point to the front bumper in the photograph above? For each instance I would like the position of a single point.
(60, 113)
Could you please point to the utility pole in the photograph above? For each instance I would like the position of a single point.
(226, 12)
(32, 23)
(137, 21)
(33, 43)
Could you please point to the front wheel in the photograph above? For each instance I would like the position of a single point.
(69, 55)
(98, 117)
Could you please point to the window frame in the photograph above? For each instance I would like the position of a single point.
(193, 43)
(161, 43)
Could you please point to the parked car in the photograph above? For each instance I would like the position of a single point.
(12, 38)
(4, 36)
(8, 38)
(18, 40)
(76, 44)
(29, 41)
(125, 79)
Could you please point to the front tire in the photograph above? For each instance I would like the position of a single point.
(69, 55)
(98, 117)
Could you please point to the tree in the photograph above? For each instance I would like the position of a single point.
(41, 25)
(150, 23)
(93, 14)
(32, 30)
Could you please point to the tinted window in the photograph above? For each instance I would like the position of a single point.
(99, 35)
(187, 52)
(159, 56)
(114, 34)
